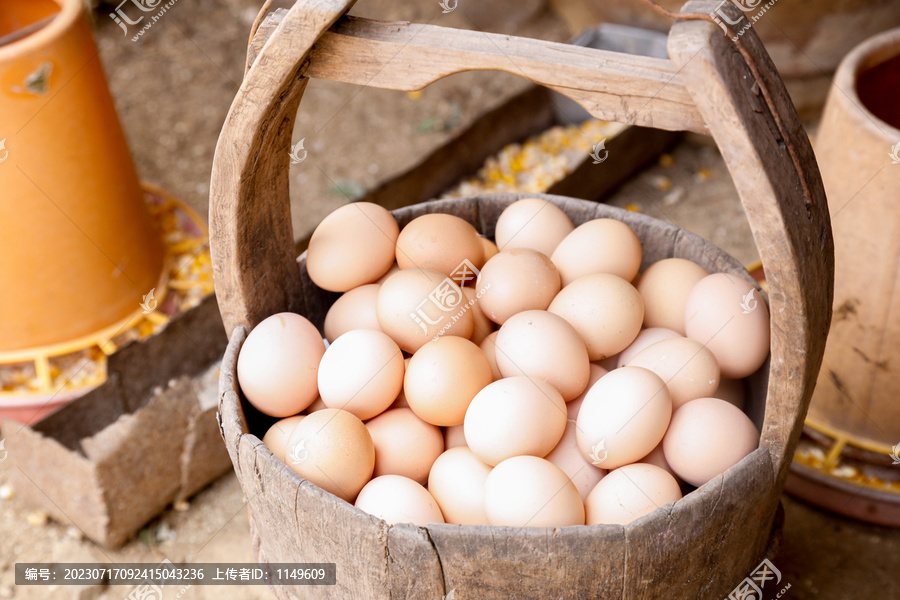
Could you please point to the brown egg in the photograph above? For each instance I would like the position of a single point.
(572, 462)
(573, 407)
(404, 444)
(605, 309)
(542, 345)
(629, 493)
(688, 368)
(727, 315)
(512, 417)
(441, 243)
(598, 246)
(529, 491)
(352, 246)
(664, 287)
(361, 372)
(623, 417)
(397, 499)
(490, 248)
(482, 326)
(489, 347)
(707, 437)
(278, 363)
(443, 377)
(276, 438)
(644, 339)
(332, 449)
(454, 436)
(514, 281)
(416, 305)
(532, 223)
(457, 483)
(354, 310)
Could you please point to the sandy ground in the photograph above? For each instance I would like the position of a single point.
(173, 89)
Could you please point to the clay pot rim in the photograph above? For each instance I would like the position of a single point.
(68, 15)
(864, 56)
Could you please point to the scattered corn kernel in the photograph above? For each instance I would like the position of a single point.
(633, 208)
(181, 506)
(675, 195)
(666, 160)
(704, 174)
(37, 518)
(662, 183)
(6, 492)
(538, 163)
(414, 95)
(844, 471)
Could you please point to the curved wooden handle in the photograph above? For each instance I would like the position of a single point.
(706, 85)
(792, 232)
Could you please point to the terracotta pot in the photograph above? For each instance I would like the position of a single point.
(79, 249)
(859, 380)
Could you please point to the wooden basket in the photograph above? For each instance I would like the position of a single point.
(699, 547)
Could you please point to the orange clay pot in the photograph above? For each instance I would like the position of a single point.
(78, 248)
(858, 148)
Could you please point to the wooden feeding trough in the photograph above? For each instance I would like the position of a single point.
(118, 456)
(698, 547)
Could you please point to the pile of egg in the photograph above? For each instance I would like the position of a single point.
(558, 387)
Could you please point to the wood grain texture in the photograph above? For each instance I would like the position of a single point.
(252, 249)
(794, 240)
(612, 86)
(731, 518)
(637, 90)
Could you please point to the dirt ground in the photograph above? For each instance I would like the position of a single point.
(173, 88)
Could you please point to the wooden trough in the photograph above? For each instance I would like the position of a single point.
(699, 547)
